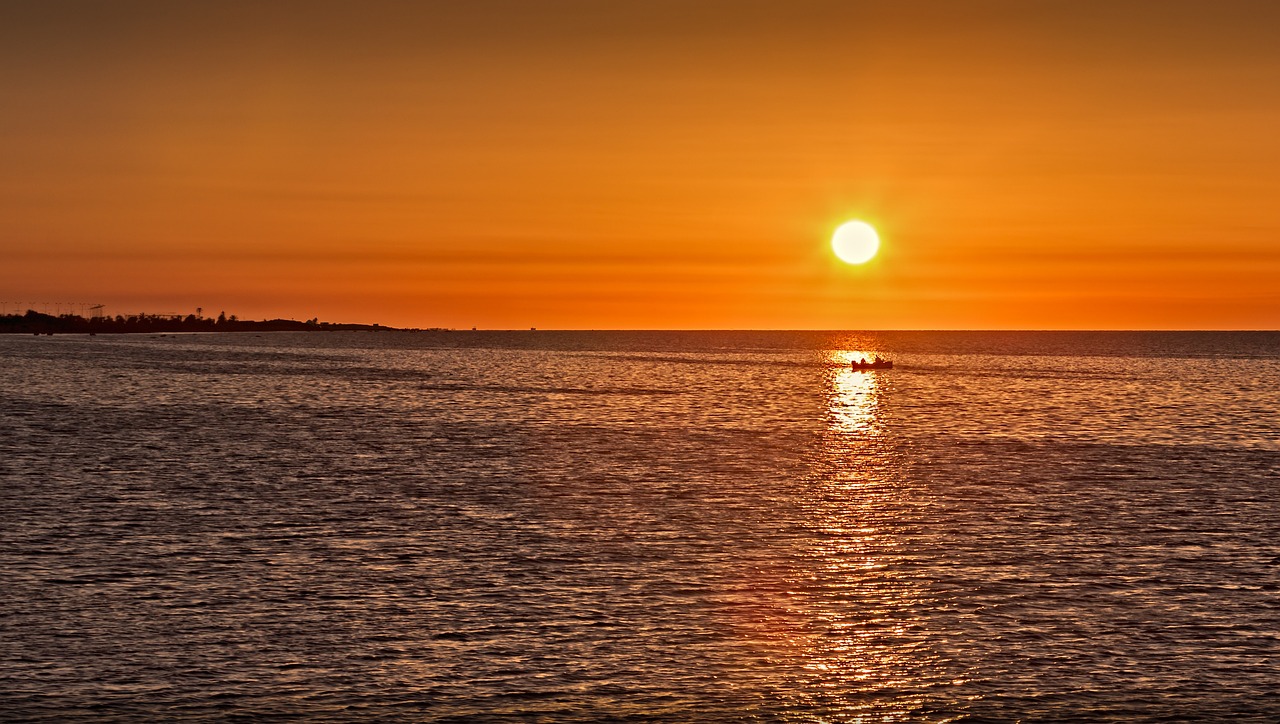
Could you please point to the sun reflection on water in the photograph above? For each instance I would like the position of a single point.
(863, 645)
(852, 400)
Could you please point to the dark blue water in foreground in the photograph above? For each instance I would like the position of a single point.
(640, 526)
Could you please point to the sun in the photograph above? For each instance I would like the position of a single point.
(855, 242)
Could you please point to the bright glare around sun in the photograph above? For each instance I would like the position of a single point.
(855, 242)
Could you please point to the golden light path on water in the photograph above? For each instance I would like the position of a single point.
(865, 648)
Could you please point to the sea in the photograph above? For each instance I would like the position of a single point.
(544, 526)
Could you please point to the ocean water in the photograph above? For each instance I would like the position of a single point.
(619, 526)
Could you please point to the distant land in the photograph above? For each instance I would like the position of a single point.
(34, 322)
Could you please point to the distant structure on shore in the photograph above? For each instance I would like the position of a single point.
(55, 309)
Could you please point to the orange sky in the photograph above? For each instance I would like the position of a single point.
(649, 164)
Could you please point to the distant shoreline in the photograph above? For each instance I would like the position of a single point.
(46, 324)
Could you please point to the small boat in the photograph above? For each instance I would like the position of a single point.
(876, 364)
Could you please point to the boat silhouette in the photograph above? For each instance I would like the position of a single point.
(876, 364)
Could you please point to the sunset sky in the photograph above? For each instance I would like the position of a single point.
(648, 164)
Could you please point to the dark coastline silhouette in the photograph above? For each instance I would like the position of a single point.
(34, 322)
